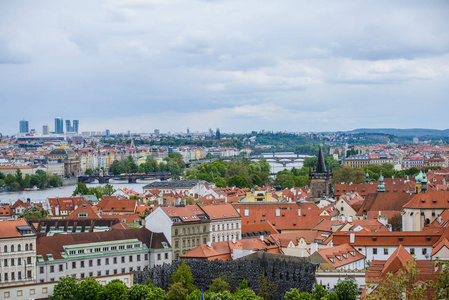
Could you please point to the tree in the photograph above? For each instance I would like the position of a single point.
(246, 294)
(226, 295)
(318, 292)
(89, 172)
(156, 294)
(65, 289)
(19, 178)
(243, 284)
(90, 289)
(176, 291)
(238, 181)
(116, 290)
(219, 286)
(183, 274)
(55, 181)
(347, 174)
(138, 292)
(42, 178)
(295, 294)
(219, 182)
(266, 287)
(34, 212)
(396, 222)
(347, 290)
(442, 284)
(81, 189)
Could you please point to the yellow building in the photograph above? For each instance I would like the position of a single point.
(262, 196)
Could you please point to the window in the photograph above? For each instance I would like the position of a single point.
(60, 268)
(12, 248)
(19, 262)
(115, 260)
(99, 273)
(123, 259)
(115, 271)
(107, 272)
(91, 274)
(19, 275)
(204, 240)
(5, 262)
(91, 263)
(158, 256)
(213, 227)
(123, 270)
(41, 270)
(412, 251)
(176, 244)
(138, 257)
(166, 255)
(176, 231)
(29, 260)
(131, 269)
(82, 275)
(385, 251)
(130, 258)
(98, 262)
(52, 269)
(82, 264)
(374, 251)
(6, 276)
(73, 264)
(12, 262)
(31, 247)
(19, 247)
(146, 256)
(106, 262)
(13, 276)
(424, 251)
(26, 247)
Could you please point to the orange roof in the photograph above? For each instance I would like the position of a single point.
(262, 226)
(429, 200)
(188, 213)
(217, 212)
(86, 209)
(113, 204)
(341, 255)
(8, 228)
(285, 238)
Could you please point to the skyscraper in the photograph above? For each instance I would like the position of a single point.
(59, 125)
(75, 125)
(23, 126)
(45, 130)
(68, 126)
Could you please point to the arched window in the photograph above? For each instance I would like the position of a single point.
(204, 229)
(19, 247)
(12, 248)
(26, 247)
(6, 249)
(31, 247)
(176, 231)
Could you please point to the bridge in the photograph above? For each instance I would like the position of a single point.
(283, 158)
(132, 178)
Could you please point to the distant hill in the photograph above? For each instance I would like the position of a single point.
(404, 132)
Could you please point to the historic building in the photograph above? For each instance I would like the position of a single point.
(72, 164)
(17, 253)
(320, 179)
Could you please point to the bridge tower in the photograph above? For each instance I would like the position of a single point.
(320, 179)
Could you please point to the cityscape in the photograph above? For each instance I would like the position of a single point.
(224, 150)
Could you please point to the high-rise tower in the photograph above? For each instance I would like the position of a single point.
(23, 126)
(59, 125)
(320, 179)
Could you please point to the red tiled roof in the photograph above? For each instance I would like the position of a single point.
(188, 213)
(263, 226)
(8, 228)
(216, 212)
(429, 200)
(341, 255)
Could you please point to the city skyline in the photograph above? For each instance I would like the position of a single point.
(241, 66)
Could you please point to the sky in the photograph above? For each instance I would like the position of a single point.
(239, 66)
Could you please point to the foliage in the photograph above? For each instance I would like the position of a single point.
(219, 286)
(396, 222)
(183, 274)
(346, 290)
(442, 284)
(19, 182)
(89, 172)
(156, 294)
(291, 178)
(331, 296)
(266, 288)
(34, 212)
(116, 290)
(347, 174)
(66, 289)
(295, 294)
(98, 191)
(55, 181)
(243, 285)
(90, 289)
(319, 292)
(176, 291)
(226, 295)
(246, 294)
(172, 164)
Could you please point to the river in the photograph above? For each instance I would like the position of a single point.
(65, 191)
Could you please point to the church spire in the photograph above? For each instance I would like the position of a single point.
(321, 166)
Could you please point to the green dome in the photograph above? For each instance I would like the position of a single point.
(419, 177)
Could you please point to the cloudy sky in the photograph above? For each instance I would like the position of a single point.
(238, 65)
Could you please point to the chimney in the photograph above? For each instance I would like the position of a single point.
(234, 241)
(352, 238)
(299, 212)
(349, 219)
(261, 238)
(209, 244)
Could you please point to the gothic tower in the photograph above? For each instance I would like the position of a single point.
(320, 179)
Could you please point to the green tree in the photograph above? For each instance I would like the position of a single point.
(183, 274)
(238, 181)
(292, 294)
(34, 212)
(177, 291)
(90, 289)
(156, 294)
(65, 289)
(347, 174)
(108, 190)
(332, 296)
(226, 295)
(442, 284)
(318, 292)
(42, 178)
(116, 290)
(347, 290)
(246, 294)
(55, 181)
(89, 172)
(243, 284)
(138, 292)
(19, 178)
(219, 286)
(81, 189)
(266, 288)
(396, 222)
(219, 181)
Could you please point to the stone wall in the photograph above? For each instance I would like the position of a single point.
(286, 271)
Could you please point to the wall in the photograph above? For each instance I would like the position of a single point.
(286, 272)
